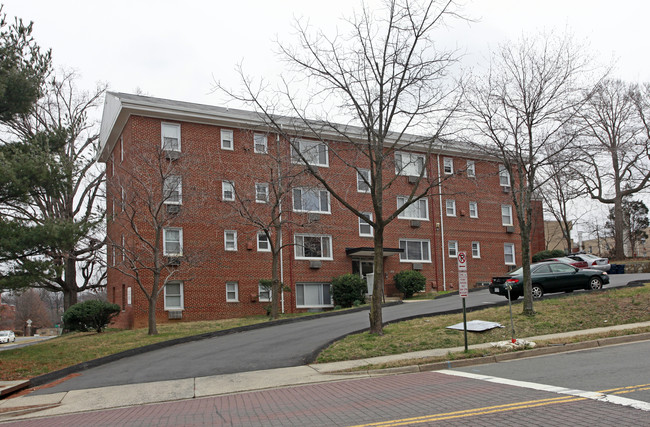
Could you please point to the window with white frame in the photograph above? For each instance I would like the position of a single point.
(227, 140)
(123, 201)
(476, 249)
(451, 207)
(172, 241)
(504, 176)
(363, 181)
(314, 152)
(113, 258)
(227, 191)
(313, 246)
(471, 169)
(409, 164)
(260, 143)
(313, 295)
(263, 244)
(174, 296)
(415, 250)
(173, 190)
(311, 200)
(123, 249)
(448, 165)
(232, 292)
(171, 136)
(230, 240)
(121, 149)
(473, 209)
(509, 253)
(452, 248)
(416, 210)
(264, 291)
(261, 192)
(365, 229)
(506, 214)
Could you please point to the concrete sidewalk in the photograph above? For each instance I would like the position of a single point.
(27, 406)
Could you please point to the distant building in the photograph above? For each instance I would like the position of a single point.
(554, 236)
(7, 315)
(224, 150)
(604, 246)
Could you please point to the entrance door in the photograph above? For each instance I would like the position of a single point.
(363, 267)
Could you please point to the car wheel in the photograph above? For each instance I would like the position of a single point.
(513, 296)
(595, 283)
(537, 291)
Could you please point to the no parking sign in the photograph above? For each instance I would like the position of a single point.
(463, 288)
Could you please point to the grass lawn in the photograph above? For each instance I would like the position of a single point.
(584, 310)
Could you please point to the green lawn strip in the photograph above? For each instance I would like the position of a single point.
(575, 312)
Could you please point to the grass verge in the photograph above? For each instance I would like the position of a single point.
(581, 311)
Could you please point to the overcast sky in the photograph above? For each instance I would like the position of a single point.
(174, 49)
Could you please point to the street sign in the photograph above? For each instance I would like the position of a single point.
(463, 288)
(462, 261)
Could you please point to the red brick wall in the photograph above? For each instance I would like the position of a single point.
(204, 217)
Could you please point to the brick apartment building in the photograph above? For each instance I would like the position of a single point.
(217, 156)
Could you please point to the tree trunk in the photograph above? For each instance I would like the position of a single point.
(69, 299)
(376, 323)
(275, 286)
(70, 284)
(528, 309)
(153, 328)
(619, 227)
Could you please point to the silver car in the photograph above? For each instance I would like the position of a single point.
(595, 263)
(7, 336)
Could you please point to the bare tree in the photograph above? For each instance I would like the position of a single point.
(523, 110)
(57, 145)
(385, 77)
(616, 159)
(30, 306)
(147, 197)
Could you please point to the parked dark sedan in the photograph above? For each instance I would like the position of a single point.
(548, 277)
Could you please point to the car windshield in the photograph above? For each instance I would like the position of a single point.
(4, 333)
(516, 272)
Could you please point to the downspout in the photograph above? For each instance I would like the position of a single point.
(277, 144)
(442, 227)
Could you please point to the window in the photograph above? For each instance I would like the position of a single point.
(173, 190)
(363, 181)
(504, 176)
(416, 210)
(452, 247)
(121, 149)
(227, 190)
(309, 246)
(506, 214)
(314, 152)
(471, 169)
(473, 210)
(311, 200)
(227, 142)
(476, 250)
(509, 253)
(264, 292)
(260, 144)
(171, 137)
(123, 249)
(365, 229)
(172, 241)
(448, 165)
(174, 296)
(123, 201)
(263, 244)
(451, 207)
(113, 259)
(313, 295)
(261, 192)
(232, 292)
(409, 164)
(414, 250)
(230, 240)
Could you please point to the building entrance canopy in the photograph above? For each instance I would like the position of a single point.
(369, 252)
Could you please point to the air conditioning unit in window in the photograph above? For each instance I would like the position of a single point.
(173, 209)
(413, 179)
(175, 314)
(315, 264)
(510, 229)
(417, 266)
(313, 217)
(505, 189)
(173, 261)
(172, 154)
(415, 223)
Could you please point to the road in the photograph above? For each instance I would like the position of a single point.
(278, 346)
(600, 387)
(24, 342)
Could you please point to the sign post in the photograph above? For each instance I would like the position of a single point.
(463, 290)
